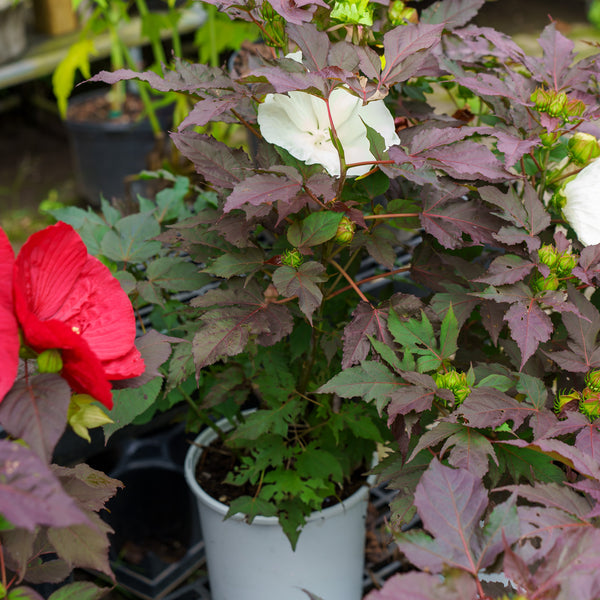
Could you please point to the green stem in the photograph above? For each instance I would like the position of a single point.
(211, 23)
(202, 416)
(155, 42)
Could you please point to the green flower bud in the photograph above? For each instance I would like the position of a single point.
(557, 104)
(589, 404)
(592, 380)
(353, 12)
(563, 399)
(549, 283)
(558, 200)
(345, 231)
(50, 361)
(400, 14)
(292, 258)
(574, 108)
(549, 138)
(541, 98)
(548, 255)
(461, 394)
(565, 265)
(583, 148)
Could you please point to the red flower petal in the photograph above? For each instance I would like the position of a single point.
(9, 333)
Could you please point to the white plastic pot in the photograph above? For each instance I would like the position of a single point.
(256, 562)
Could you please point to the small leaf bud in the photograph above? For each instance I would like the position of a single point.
(50, 361)
(292, 258)
(583, 148)
(548, 255)
(345, 231)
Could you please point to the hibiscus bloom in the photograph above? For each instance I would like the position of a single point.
(582, 209)
(299, 123)
(9, 332)
(66, 299)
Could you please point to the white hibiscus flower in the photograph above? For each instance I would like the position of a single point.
(582, 209)
(299, 123)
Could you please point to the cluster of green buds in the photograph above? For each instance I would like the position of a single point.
(557, 104)
(50, 361)
(454, 381)
(583, 148)
(353, 12)
(345, 231)
(561, 265)
(292, 258)
(588, 400)
(400, 14)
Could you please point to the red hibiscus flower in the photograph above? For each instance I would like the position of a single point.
(9, 332)
(66, 299)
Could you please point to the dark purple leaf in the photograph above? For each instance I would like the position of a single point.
(451, 14)
(425, 586)
(588, 268)
(558, 56)
(222, 166)
(30, 494)
(367, 321)
(508, 268)
(205, 111)
(529, 326)
(36, 411)
(314, 45)
(262, 189)
(302, 282)
(405, 50)
(555, 496)
(381, 243)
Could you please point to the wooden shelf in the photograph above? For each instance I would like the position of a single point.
(45, 53)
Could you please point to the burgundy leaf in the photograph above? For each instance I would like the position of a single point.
(36, 411)
(222, 166)
(508, 268)
(558, 56)
(425, 586)
(588, 268)
(529, 326)
(262, 189)
(451, 14)
(313, 43)
(366, 321)
(302, 282)
(555, 496)
(205, 111)
(30, 495)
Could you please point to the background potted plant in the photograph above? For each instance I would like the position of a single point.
(496, 458)
(116, 133)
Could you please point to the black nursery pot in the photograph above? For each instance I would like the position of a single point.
(157, 542)
(106, 153)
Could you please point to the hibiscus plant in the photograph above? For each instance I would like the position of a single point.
(70, 357)
(409, 250)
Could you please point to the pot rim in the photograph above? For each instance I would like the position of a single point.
(193, 454)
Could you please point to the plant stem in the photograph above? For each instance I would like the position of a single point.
(349, 280)
(392, 216)
(201, 415)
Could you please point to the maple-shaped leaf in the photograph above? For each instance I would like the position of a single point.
(417, 395)
(447, 215)
(588, 267)
(35, 410)
(554, 70)
(220, 165)
(380, 243)
(313, 43)
(406, 50)
(30, 494)
(302, 282)
(232, 316)
(367, 321)
(451, 14)
(507, 268)
(425, 586)
(231, 264)
(528, 215)
(583, 351)
(451, 503)
(262, 189)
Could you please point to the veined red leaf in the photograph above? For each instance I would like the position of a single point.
(262, 189)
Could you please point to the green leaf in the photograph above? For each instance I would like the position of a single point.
(251, 507)
(448, 335)
(176, 274)
(316, 463)
(80, 590)
(131, 240)
(316, 229)
(524, 463)
(130, 402)
(236, 263)
(22, 593)
(533, 389)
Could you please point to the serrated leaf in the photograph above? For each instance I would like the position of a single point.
(425, 586)
(79, 590)
(529, 326)
(302, 282)
(262, 189)
(251, 507)
(505, 269)
(319, 464)
(131, 239)
(451, 14)
(317, 228)
(176, 275)
(236, 263)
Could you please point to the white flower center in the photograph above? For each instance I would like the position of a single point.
(321, 137)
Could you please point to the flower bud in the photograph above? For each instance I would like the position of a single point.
(592, 380)
(589, 404)
(399, 13)
(557, 104)
(574, 108)
(549, 283)
(83, 414)
(292, 258)
(541, 98)
(548, 255)
(345, 231)
(549, 138)
(583, 148)
(50, 361)
(563, 399)
(565, 264)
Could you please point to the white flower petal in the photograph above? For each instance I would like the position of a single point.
(582, 209)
